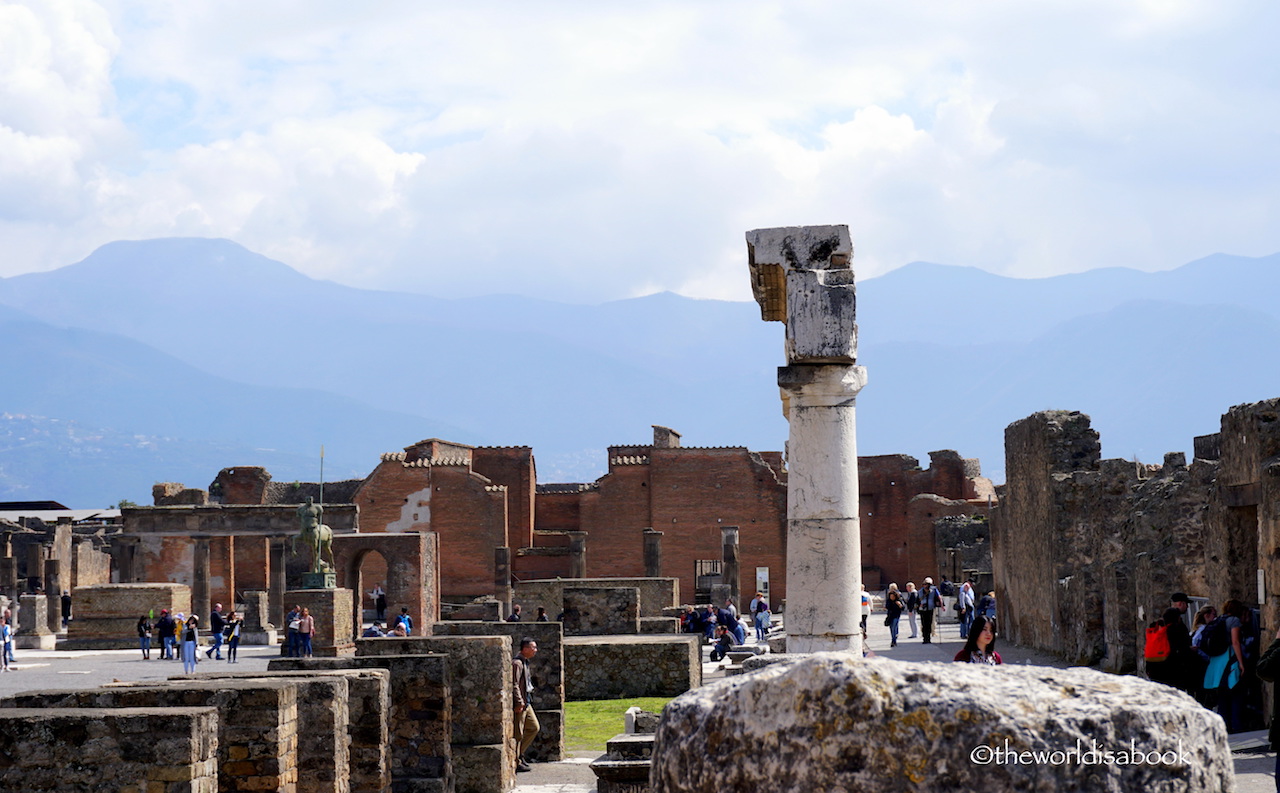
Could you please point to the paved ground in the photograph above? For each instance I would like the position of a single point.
(49, 669)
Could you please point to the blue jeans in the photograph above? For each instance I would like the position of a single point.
(893, 629)
(144, 644)
(304, 645)
(216, 649)
(966, 620)
(168, 648)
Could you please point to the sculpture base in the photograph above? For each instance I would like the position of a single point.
(319, 580)
(334, 613)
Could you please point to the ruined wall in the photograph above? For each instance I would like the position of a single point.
(620, 667)
(513, 468)
(656, 594)
(466, 510)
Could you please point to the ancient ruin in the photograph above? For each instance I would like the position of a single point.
(801, 277)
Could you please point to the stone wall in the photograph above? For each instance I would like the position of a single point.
(419, 716)
(619, 667)
(257, 735)
(480, 690)
(157, 750)
(601, 612)
(106, 615)
(547, 669)
(656, 594)
(1086, 551)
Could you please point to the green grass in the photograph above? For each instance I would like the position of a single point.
(588, 724)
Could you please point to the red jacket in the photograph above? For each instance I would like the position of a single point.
(963, 658)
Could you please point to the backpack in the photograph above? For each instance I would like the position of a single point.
(1157, 646)
(1215, 639)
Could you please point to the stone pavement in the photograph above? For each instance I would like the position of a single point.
(53, 669)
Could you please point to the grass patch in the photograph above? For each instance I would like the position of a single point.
(588, 724)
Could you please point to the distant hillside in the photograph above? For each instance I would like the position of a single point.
(205, 341)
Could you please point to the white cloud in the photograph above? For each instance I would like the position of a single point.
(589, 152)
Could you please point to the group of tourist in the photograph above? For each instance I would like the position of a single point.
(179, 636)
(6, 641)
(301, 628)
(1216, 660)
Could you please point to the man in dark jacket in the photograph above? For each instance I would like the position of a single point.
(164, 629)
(1269, 670)
(526, 722)
(216, 624)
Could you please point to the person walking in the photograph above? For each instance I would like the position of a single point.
(913, 605)
(893, 606)
(216, 624)
(526, 721)
(930, 604)
(6, 643)
(164, 629)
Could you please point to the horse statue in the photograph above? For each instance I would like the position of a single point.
(317, 536)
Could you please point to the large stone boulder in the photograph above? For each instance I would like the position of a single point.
(834, 721)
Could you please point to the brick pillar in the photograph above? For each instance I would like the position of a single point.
(577, 554)
(652, 553)
(502, 579)
(200, 595)
(53, 589)
(277, 576)
(35, 566)
(732, 573)
(9, 577)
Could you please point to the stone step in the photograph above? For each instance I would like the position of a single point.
(621, 776)
(638, 746)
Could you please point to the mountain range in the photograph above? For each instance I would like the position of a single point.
(167, 360)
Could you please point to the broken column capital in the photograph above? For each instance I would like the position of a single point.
(800, 275)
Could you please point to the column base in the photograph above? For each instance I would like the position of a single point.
(334, 613)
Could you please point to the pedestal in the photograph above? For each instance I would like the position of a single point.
(33, 624)
(334, 613)
(319, 580)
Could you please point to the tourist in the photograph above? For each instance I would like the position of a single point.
(405, 621)
(292, 620)
(144, 637)
(728, 604)
(1199, 659)
(865, 611)
(728, 617)
(164, 629)
(987, 606)
(374, 631)
(980, 647)
(6, 644)
(526, 721)
(964, 607)
(708, 621)
(1227, 669)
(724, 643)
(306, 629)
(913, 605)
(379, 596)
(893, 607)
(542, 615)
(755, 604)
(399, 630)
(216, 625)
(179, 622)
(235, 624)
(13, 629)
(515, 613)
(66, 607)
(1269, 670)
(763, 620)
(190, 641)
(930, 602)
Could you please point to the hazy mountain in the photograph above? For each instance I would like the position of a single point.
(229, 352)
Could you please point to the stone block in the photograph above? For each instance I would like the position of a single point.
(547, 667)
(257, 739)
(483, 769)
(884, 725)
(656, 594)
(601, 612)
(33, 624)
(107, 614)
(334, 613)
(618, 667)
(166, 750)
(659, 626)
(419, 713)
(548, 747)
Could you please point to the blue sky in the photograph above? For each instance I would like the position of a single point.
(588, 152)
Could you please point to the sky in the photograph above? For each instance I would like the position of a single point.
(587, 152)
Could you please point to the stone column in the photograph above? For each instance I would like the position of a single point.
(201, 599)
(652, 553)
(53, 588)
(801, 276)
(577, 554)
(33, 624)
(35, 566)
(279, 551)
(502, 579)
(731, 572)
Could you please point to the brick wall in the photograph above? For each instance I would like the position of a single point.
(512, 467)
(106, 615)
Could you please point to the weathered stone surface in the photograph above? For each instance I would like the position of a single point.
(617, 667)
(107, 614)
(257, 725)
(480, 688)
(601, 612)
(333, 611)
(835, 721)
(656, 594)
(157, 750)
